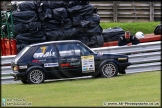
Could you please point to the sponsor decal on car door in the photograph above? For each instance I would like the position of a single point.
(88, 64)
(51, 65)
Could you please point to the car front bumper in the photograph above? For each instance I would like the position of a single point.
(123, 66)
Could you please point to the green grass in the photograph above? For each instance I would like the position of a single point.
(133, 27)
(139, 87)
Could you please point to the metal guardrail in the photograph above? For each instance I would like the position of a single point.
(142, 47)
(144, 56)
(6, 59)
(144, 67)
(147, 57)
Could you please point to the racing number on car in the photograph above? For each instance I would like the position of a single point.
(88, 63)
(43, 49)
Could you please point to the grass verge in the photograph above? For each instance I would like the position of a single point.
(133, 27)
(139, 87)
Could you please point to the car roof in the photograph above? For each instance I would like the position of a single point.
(50, 42)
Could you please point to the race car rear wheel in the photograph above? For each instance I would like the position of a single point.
(109, 69)
(36, 76)
(24, 81)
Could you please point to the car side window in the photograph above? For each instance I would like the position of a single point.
(45, 51)
(83, 49)
(66, 49)
(72, 49)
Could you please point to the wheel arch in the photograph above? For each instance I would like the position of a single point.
(109, 60)
(36, 67)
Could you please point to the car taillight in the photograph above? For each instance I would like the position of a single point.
(15, 68)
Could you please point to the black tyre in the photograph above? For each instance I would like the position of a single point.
(35, 76)
(24, 81)
(109, 69)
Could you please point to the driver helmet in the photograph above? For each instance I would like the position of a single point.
(139, 35)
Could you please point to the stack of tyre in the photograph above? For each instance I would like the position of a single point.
(52, 20)
(27, 26)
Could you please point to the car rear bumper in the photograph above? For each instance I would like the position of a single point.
(18, 75)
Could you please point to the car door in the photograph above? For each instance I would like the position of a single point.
(47, 57)
(70, 60)
(87, 60)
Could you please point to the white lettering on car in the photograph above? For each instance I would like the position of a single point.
(51, 64)
(74, 63)
(47, 54)
(42, 60)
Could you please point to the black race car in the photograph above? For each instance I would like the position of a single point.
(64, 59)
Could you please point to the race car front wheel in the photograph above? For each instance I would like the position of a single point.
(109, 69)
(36, 76)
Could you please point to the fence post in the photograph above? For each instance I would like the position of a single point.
(114, 11)
(151, 11)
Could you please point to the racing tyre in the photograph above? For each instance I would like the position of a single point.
(36, 76)
(109, 69)
(24, 81)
